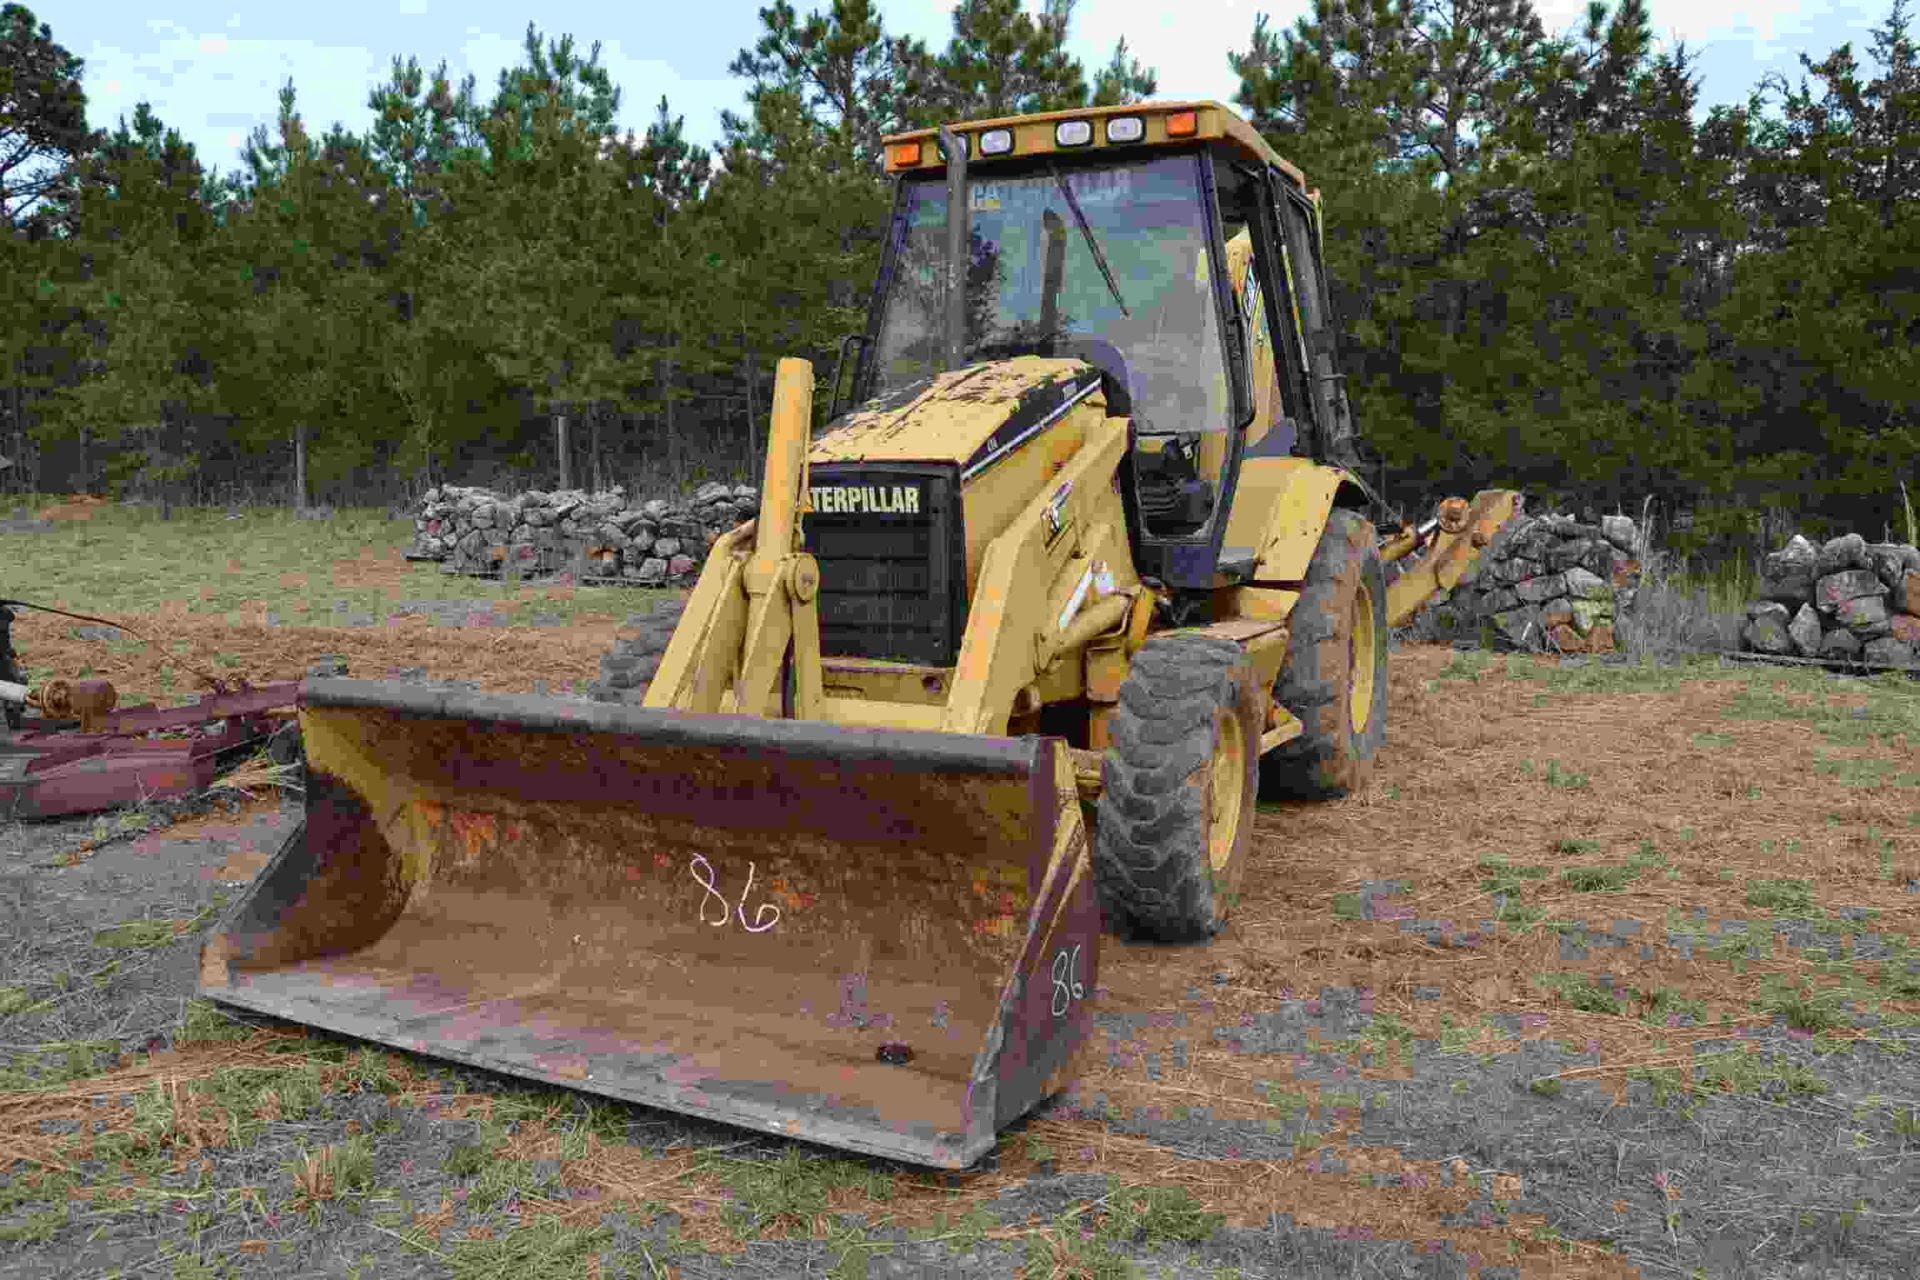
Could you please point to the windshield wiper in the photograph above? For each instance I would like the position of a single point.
(1086, 233)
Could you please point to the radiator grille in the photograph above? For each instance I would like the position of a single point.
(892, 567)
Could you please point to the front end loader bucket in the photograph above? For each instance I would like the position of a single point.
(872, 939)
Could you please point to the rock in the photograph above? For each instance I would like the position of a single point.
(1849, 551)
(1867, 616)
(678, 526)
(1767, 607)
(1499, 601)
(1840, 644)
(710, 493)
(1835, 589)
(1767, 633)
(1600, 639)
(1588, 614)
(680, 566)
(1538, 590)
(609, 535)
(1906, 592)
(746, 493)
(1558, 613)
(1888, 652)
(327, 666)
(656, 509)
(640, 538)
(1514, 570)
(1519, 627)
(1618, 530)
(1569, 554)
(652, 572)
(538, 517)
(668, 547)
(1563, 637)
(1905, 628)
(1804, 630)
(1889, 561)
(1584, 585)
(1787, 574)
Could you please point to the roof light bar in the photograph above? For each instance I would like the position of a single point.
(996, 142)
(1126, 129)
(1073, 133)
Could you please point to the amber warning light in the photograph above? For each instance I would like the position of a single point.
(902, 154)
(1183, 124)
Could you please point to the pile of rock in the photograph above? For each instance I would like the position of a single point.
(600, 537)
(1849, 600)
(1548, 583)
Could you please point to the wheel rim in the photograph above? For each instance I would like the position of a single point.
(1227, 792)
(1360, 646)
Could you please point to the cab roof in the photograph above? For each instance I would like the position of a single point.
(1162, 124)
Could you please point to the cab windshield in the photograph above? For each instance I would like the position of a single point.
(1036, 284)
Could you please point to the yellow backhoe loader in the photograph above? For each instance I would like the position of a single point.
(1082, 564)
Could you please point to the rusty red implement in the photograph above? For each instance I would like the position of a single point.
(54, 770)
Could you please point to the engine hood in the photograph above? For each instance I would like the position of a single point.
(971, 417)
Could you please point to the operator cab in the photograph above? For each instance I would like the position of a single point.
(1153, 250)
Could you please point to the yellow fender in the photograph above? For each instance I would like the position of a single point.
(1280, 509)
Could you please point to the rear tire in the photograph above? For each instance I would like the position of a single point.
(1175, 813)
(629, 667)
(1335, 675)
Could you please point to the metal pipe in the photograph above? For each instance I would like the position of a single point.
(959, 242)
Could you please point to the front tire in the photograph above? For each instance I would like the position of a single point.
(1335, 674)
(1175, 813)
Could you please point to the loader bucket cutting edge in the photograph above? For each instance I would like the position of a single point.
(737, 918)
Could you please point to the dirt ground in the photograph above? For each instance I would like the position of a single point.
(1609, 972)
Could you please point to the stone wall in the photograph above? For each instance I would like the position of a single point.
(1545, 584)
(604, 537)
(1848, 600)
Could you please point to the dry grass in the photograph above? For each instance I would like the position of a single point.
(502, 659)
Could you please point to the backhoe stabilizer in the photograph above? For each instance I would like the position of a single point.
(880, 940)
(1433, 560)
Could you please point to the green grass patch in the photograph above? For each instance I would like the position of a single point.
(1346, 906)
(1597, 879)
(1803, 1006)
(1712, 740)
(1289, 1103)
(204, 1022)
(1468, 664)
(1580, 991)
(1665, 1002)
(791, 1189)
(543, 1249)
(1505, 880)
(137, 935)
(1151, 1216)
(1641, 676)
(1891, 716)
(1569, 845)
(1564, 778)
(1787, 896)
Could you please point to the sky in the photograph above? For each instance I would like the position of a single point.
(213, 68)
